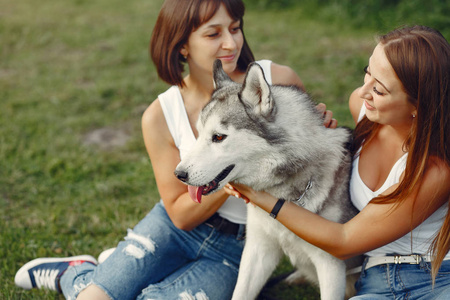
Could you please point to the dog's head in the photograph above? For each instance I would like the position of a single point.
(234, 135)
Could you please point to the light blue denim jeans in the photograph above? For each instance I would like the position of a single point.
(403, 281)
(159, 261)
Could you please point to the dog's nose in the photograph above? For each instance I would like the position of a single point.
(181, 175)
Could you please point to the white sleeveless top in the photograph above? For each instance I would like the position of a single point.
(234, 209)
(416, 242)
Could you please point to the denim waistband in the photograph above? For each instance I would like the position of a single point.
(372, 261)
(223, 225)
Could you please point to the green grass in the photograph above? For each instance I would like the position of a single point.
(70, 67)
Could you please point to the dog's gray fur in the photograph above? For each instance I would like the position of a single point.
(275, 139)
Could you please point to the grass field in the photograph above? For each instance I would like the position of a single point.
(75, 78)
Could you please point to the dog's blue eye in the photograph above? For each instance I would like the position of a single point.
(217, 138)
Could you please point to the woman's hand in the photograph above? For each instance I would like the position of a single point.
(261, 199)
(328, 120)
(232, 190)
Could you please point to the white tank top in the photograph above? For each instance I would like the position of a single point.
(234, 209)
(416, 242)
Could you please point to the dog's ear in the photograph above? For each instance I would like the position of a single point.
(220, 77)
(255, 92)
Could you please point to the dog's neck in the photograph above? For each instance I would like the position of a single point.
(300, 201)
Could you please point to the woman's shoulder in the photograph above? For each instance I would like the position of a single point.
(435, 182)
(153, 115)
(285, 75)
(170, 94)
(440, 168)
(155, 129)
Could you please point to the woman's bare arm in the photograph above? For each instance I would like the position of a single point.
(375, 226)
(164, 156)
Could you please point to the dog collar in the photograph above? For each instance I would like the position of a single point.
(281, 201)
(300, 201)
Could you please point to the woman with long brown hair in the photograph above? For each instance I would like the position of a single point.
(401, 173)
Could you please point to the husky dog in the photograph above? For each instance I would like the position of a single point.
(271, 138)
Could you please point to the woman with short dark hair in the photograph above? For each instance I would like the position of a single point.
(180, 250)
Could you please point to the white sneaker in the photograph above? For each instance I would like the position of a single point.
(46, 272)
(105, 254)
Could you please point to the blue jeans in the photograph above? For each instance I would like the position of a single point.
(159, 261)
(403, 281)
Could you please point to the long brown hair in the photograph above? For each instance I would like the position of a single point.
(420, 57)
(177, 19)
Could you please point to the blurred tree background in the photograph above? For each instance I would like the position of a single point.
(380, 15)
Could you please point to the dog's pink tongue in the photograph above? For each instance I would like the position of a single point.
(196, 193)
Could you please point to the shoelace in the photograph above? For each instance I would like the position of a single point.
(46, 278)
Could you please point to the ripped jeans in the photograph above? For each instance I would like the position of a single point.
(159, 261)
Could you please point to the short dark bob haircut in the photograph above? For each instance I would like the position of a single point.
(177, 19)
